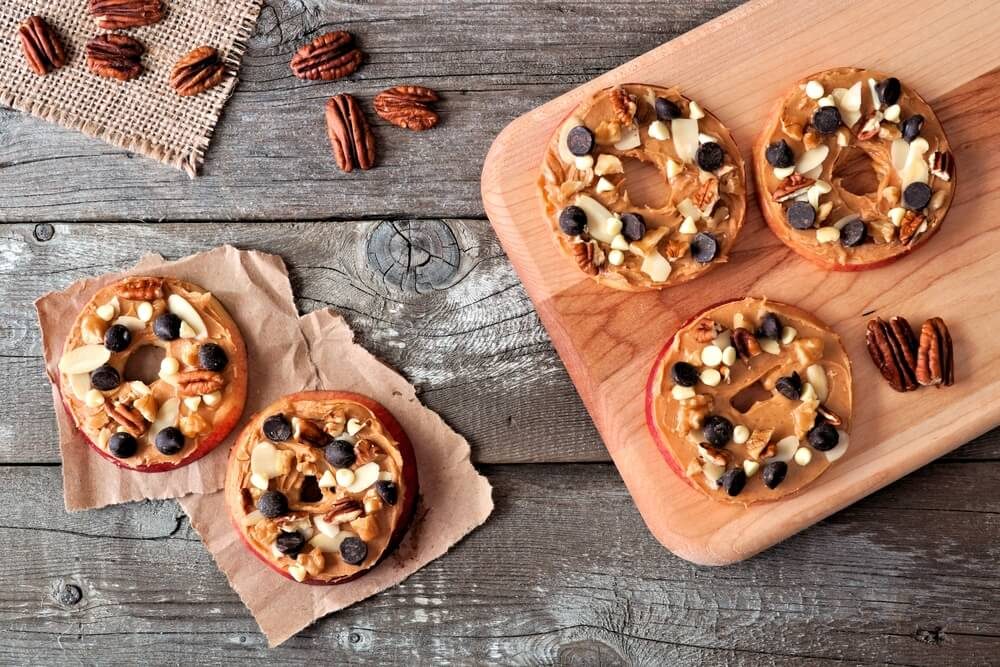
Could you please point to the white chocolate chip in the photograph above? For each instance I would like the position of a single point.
(169, 366)
(694, 110)
(327, 480)
(843, 138)
(192, 402)
(741, 434)
(770, 346)
(750, 467)
(212, 399)
(344, 476)
(788, 334)
(826, 102)
(604, 185)
(659, 130)
(187, 331)
(711, 356)
(144, 311)
(681, 393)
(814, 89)
(688, 226)
(619, 243)
(259, 481)
(781, 173)
(583, 162)
(896, 215)
(808, 393)
(827, 235)
(94, 398)
(891, 113)
(729, 355)
(711, 377)
(616, 258)
(803, 456)
(354, 426)
(673, 169)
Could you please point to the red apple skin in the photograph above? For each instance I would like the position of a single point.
(409, 484)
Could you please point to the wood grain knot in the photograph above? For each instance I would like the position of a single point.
(67, 594)
(414, 256)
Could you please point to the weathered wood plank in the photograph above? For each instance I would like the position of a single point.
(270, 158)
(900, 578)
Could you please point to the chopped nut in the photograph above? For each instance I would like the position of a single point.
(942, 165)
(909, 226)
(811, 139)
(146, 405)
(312, 562)
(623, 106)
(344, 510)
(719, 457)
(829, 415)
(192, 425)
(706, 330)
(745, 343)
(140, 289)
(791, 187)
(692, 412)
(307, 432)
(759, 445)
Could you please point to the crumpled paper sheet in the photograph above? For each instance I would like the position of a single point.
(454, 498)
(254, 288)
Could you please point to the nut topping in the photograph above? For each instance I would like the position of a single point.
(115, 56)
(329, 57)
(408, 107)
(623, 106)
(198, 71)
(141, 289)
(352, 140)
(308, 433)
(935, 362)
(344, 510)
(706, 330)
(942, 165)
(759, 446)
(586, 254)
(909, 226)
(791, 187)
(829, 415)
(128, 418)
(745, 343)
(719, 457)
(892, 351)
(367, 451)
(118, 14)
(41, 46)
(196, 383)
(706, 196)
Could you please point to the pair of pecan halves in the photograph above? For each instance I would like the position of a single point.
(41, 46)
(907, 363)
(350, 136)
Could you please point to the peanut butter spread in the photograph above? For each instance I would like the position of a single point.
(697, 204)
(198, 395)
(319, 486)
(853, 169)
(751, 400)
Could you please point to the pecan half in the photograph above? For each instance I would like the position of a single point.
(910, 225)
(745, 343)
(344, 510)
(128, 418)
(328, 57)
(706, 330)
(890, 353)
(198, 71)
(41, 45)
(935, 357)
(829, 415)
(141, 289)
(118, 14)
(942, 165)
(408, 107)
(623, 106)
(196, 383)
(352, 140)
(706, 196)
(367, 451)
(792, 186)
(677, 248)
(308, 433)
(115, 56)
(585, 253)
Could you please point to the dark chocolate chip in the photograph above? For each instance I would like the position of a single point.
(853, 233)
(917, 196)
(353, 550)
(684, 374)
(277, 428)
(387, 491)
(169, 441)
(167, 327)
(633, 226)
(770, 327)
(826, 120)
(290, 544)
(801, 215)
(704, 247)
(580, 141)
(572, 220)
(912, 126)
(272, 504)
(667, 110)
(117, 337)
(790, 386)
(889, 90)
(733, 481)
(105, 377)
(718, 430)
(123, 445)
(340, 454)
(780, 155)
(710, 156)
(212, 357)
(774, 473)
(823, 436)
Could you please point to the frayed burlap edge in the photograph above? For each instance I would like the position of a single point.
(188, 160)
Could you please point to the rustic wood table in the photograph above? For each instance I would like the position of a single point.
(564, 571)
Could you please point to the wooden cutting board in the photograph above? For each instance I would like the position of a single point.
(736, 66)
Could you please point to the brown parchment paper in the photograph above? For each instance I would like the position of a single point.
(254, 288)
(454, 498)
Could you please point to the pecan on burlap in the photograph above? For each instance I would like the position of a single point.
(118, 14)
(41, 45)
(198, 71)
(115, 56)
(350, 137)
(328, 57)
(408, 107)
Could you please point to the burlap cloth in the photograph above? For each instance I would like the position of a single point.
(144, 115)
